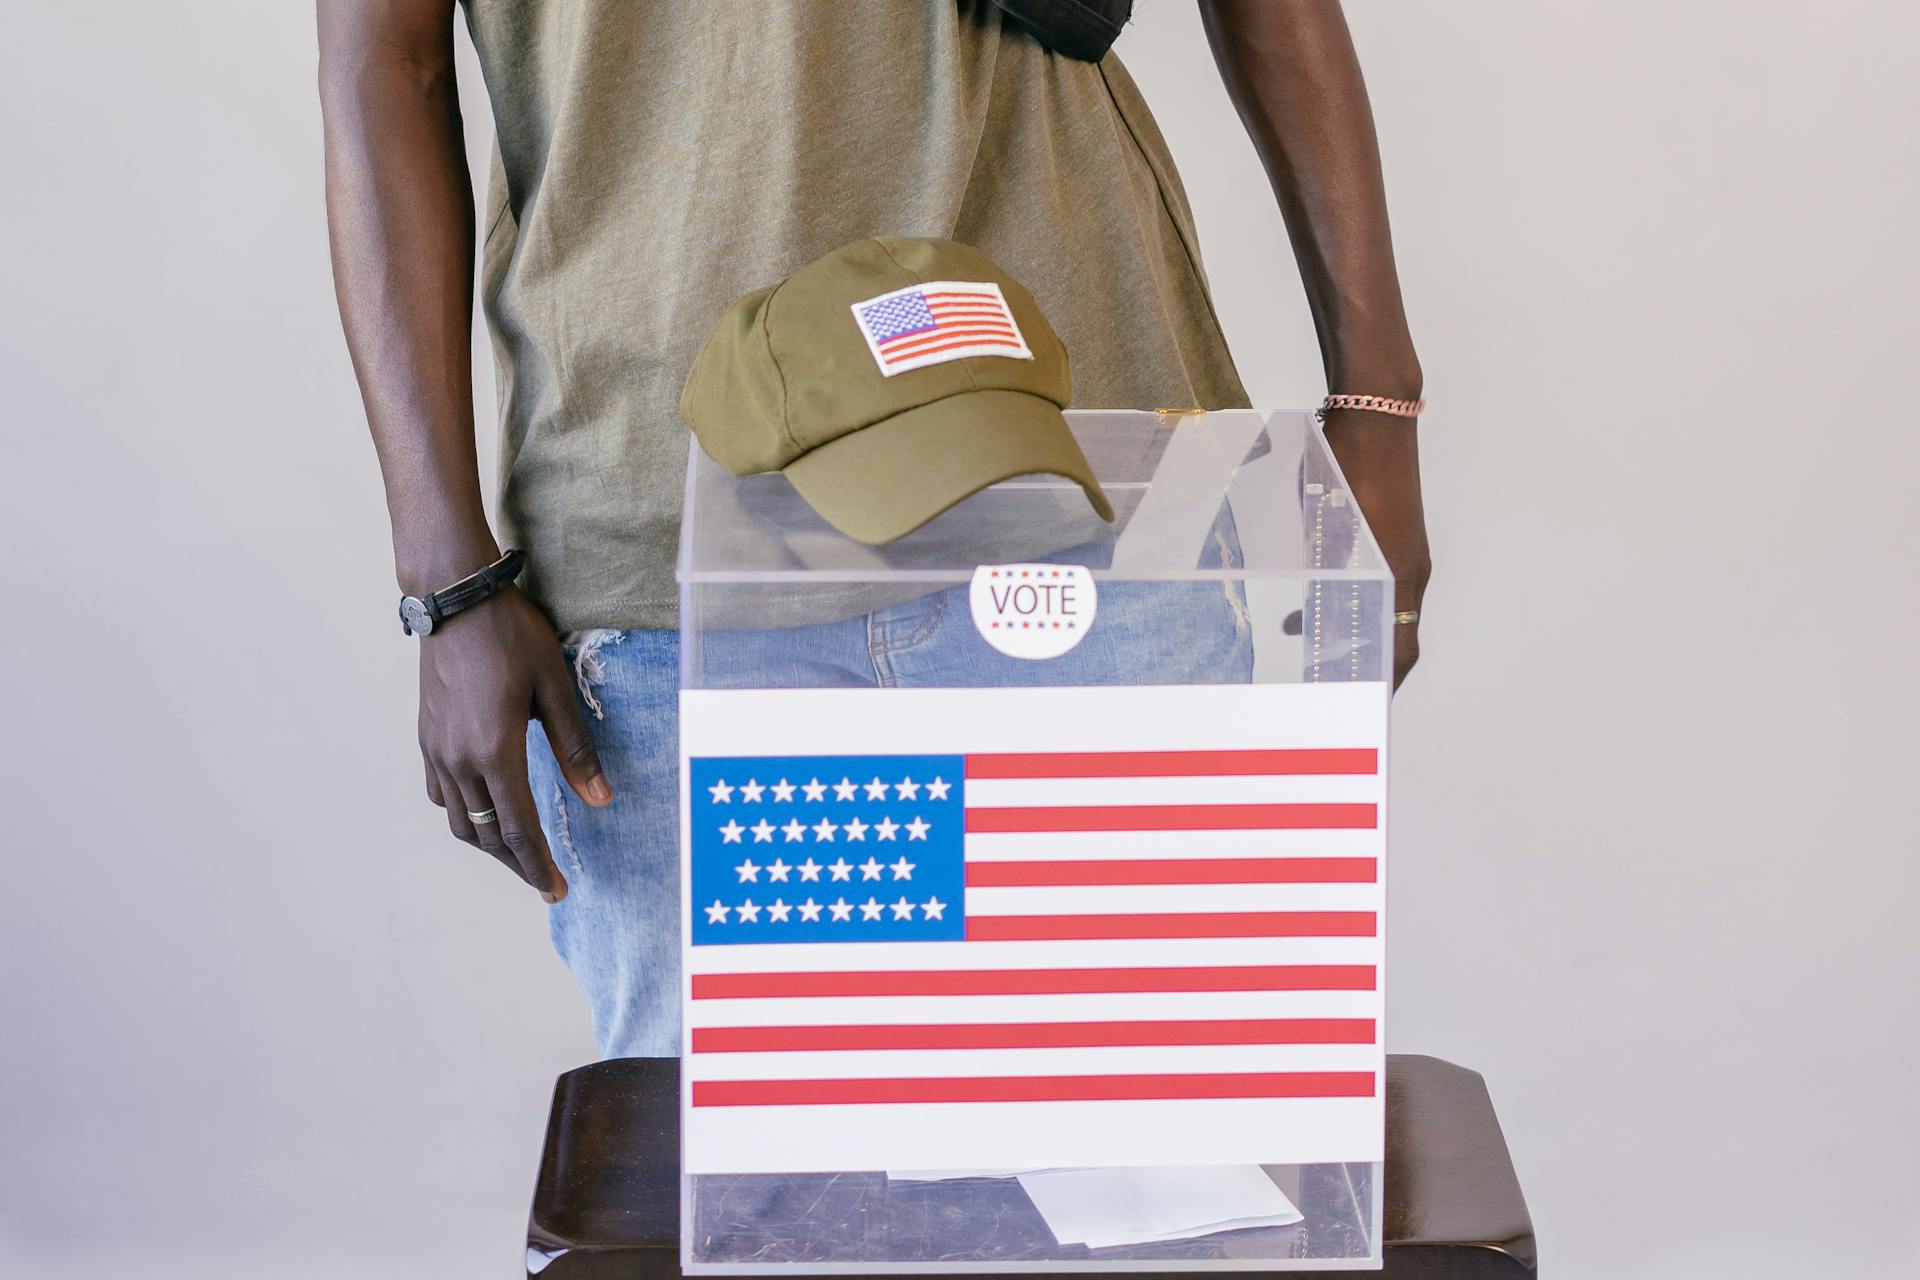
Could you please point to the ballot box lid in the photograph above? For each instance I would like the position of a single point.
(1168, 476)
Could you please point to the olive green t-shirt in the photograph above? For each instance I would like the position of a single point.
(659, 158)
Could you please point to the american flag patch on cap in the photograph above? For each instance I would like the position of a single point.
(939, 321)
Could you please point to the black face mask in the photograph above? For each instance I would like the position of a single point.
(1083, 29)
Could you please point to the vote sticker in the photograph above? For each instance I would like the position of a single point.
(1033, 610)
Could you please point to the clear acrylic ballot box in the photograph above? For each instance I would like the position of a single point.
(1032, 868)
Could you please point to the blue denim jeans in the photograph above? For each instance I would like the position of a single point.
(619, 927)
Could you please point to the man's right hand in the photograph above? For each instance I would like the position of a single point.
(483, 675)
(400, 214)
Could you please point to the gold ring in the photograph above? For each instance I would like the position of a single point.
(1406, 617)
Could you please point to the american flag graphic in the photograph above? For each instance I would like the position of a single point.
(1157, 928)
(1032, 927)
(939, 321)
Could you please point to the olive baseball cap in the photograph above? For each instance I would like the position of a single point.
(888, 380)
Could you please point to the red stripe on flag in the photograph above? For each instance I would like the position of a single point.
(1034, 1035)
(953, 319)
(893, 357)
(955, 293)
(1174, 764)
(1121, 1088)
(1035, 982)
(1174, 871)
(920, 339)
(948, 320)
(1174, 817)
(1202, 924)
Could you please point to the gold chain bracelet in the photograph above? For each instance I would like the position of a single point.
(1374, 404)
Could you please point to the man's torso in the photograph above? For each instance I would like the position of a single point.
(658, 159)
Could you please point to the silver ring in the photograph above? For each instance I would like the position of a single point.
(483, 817)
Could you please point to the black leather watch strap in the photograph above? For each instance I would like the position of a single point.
(420, 615)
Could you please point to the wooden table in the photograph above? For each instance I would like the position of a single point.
(607, 1202)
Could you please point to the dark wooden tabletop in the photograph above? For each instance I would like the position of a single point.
(607, 1201)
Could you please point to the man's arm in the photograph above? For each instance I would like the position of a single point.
(400, 214)
(1293, 76)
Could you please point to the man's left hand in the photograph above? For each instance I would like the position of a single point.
(1380, 455)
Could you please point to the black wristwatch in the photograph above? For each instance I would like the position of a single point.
(418, 616)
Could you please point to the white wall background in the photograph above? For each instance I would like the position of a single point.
(1654, 861)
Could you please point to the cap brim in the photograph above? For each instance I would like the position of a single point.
(886, 480)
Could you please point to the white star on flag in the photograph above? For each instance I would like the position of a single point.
(917, 829)
(902, 870)
(794, 831)
(937, 790)
(886, 827)
(816, 790)
(842, 869)
(823, 830)
(876, 790)
(809, 870)
(870, 870)
(750, 793)
(856, 829)
(749, 870)
(749, 912)
(730, 834)
(932, 908)
(842, 910)
(908, 789)
(777, 911)
(869, 910)
(716, 914)
(809, 910)
(902, 910)
(722, 793)
(845, 789)
(783, 790)
(762, 832)
(777, 870)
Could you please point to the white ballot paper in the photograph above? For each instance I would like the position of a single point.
(1032, 928)
(955, 1175)
(1103, 1207)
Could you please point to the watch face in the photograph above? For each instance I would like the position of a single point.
(413, 612)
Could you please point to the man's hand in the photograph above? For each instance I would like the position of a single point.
(1295, 80)
(400, 215)
(1380, 455)
(483, 675)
